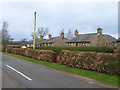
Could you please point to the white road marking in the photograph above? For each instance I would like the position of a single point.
(90, 82)
(19, 72)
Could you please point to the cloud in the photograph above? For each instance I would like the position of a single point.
(49, 1)
(84, 16)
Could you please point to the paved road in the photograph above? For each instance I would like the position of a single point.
(18, 73)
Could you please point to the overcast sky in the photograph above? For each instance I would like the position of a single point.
(84, 16)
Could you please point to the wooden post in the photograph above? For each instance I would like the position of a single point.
(34, 30)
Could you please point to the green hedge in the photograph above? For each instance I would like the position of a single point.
(90, 48)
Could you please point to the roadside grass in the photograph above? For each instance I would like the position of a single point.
(105, 78)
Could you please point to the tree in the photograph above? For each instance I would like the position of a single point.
(4, 35)
(36, 36)
(11, 40)
(61, 31)
(69, 34)
(24, 42)
(42, 32)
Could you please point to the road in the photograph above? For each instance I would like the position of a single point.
(18, 73)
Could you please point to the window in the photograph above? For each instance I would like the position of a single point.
(69, 44)
(105, 44)
(83, 44)
(44, 44)
(74, 44)
(38, 45)
(113, 44)
(52, 44)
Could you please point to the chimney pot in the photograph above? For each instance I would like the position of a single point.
(41, 37)
(99, 30)
(50, 36)
(76, 32)
(62, 34)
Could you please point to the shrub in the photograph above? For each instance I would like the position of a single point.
(18, 51)
(14, 46)
(8, 50)
(87, 48)
(100, 62)
(3, 49)
(45, 55)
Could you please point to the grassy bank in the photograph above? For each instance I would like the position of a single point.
(105, 78)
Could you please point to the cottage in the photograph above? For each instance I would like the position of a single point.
(92, 39)
(38, 41)
(55, 41)
(118, 43)
(30, 43)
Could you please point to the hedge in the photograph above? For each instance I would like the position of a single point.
(10, 47)
(95, 61)
(87, 48)
(14, 46)
(18, 51)
(100, 62)
(45, 55)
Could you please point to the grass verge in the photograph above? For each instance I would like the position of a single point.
(105, 78)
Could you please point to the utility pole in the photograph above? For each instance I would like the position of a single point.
(34, 30)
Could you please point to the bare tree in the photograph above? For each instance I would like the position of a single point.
(42, 32)
(61, 31)
(69, 34)
(36, 36)
(4, 36)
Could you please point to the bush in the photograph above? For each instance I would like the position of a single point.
(10, 47)
(8, 50)
(45, 55)
(14, 46)
(3, 49)
(18, 51)
(88, 48)
(100, 62)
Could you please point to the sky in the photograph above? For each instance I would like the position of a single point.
(84, 16)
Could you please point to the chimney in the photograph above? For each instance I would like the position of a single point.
(50, 36)
(76, 32)
(62, 34)
(41, 37)
(99, 31)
